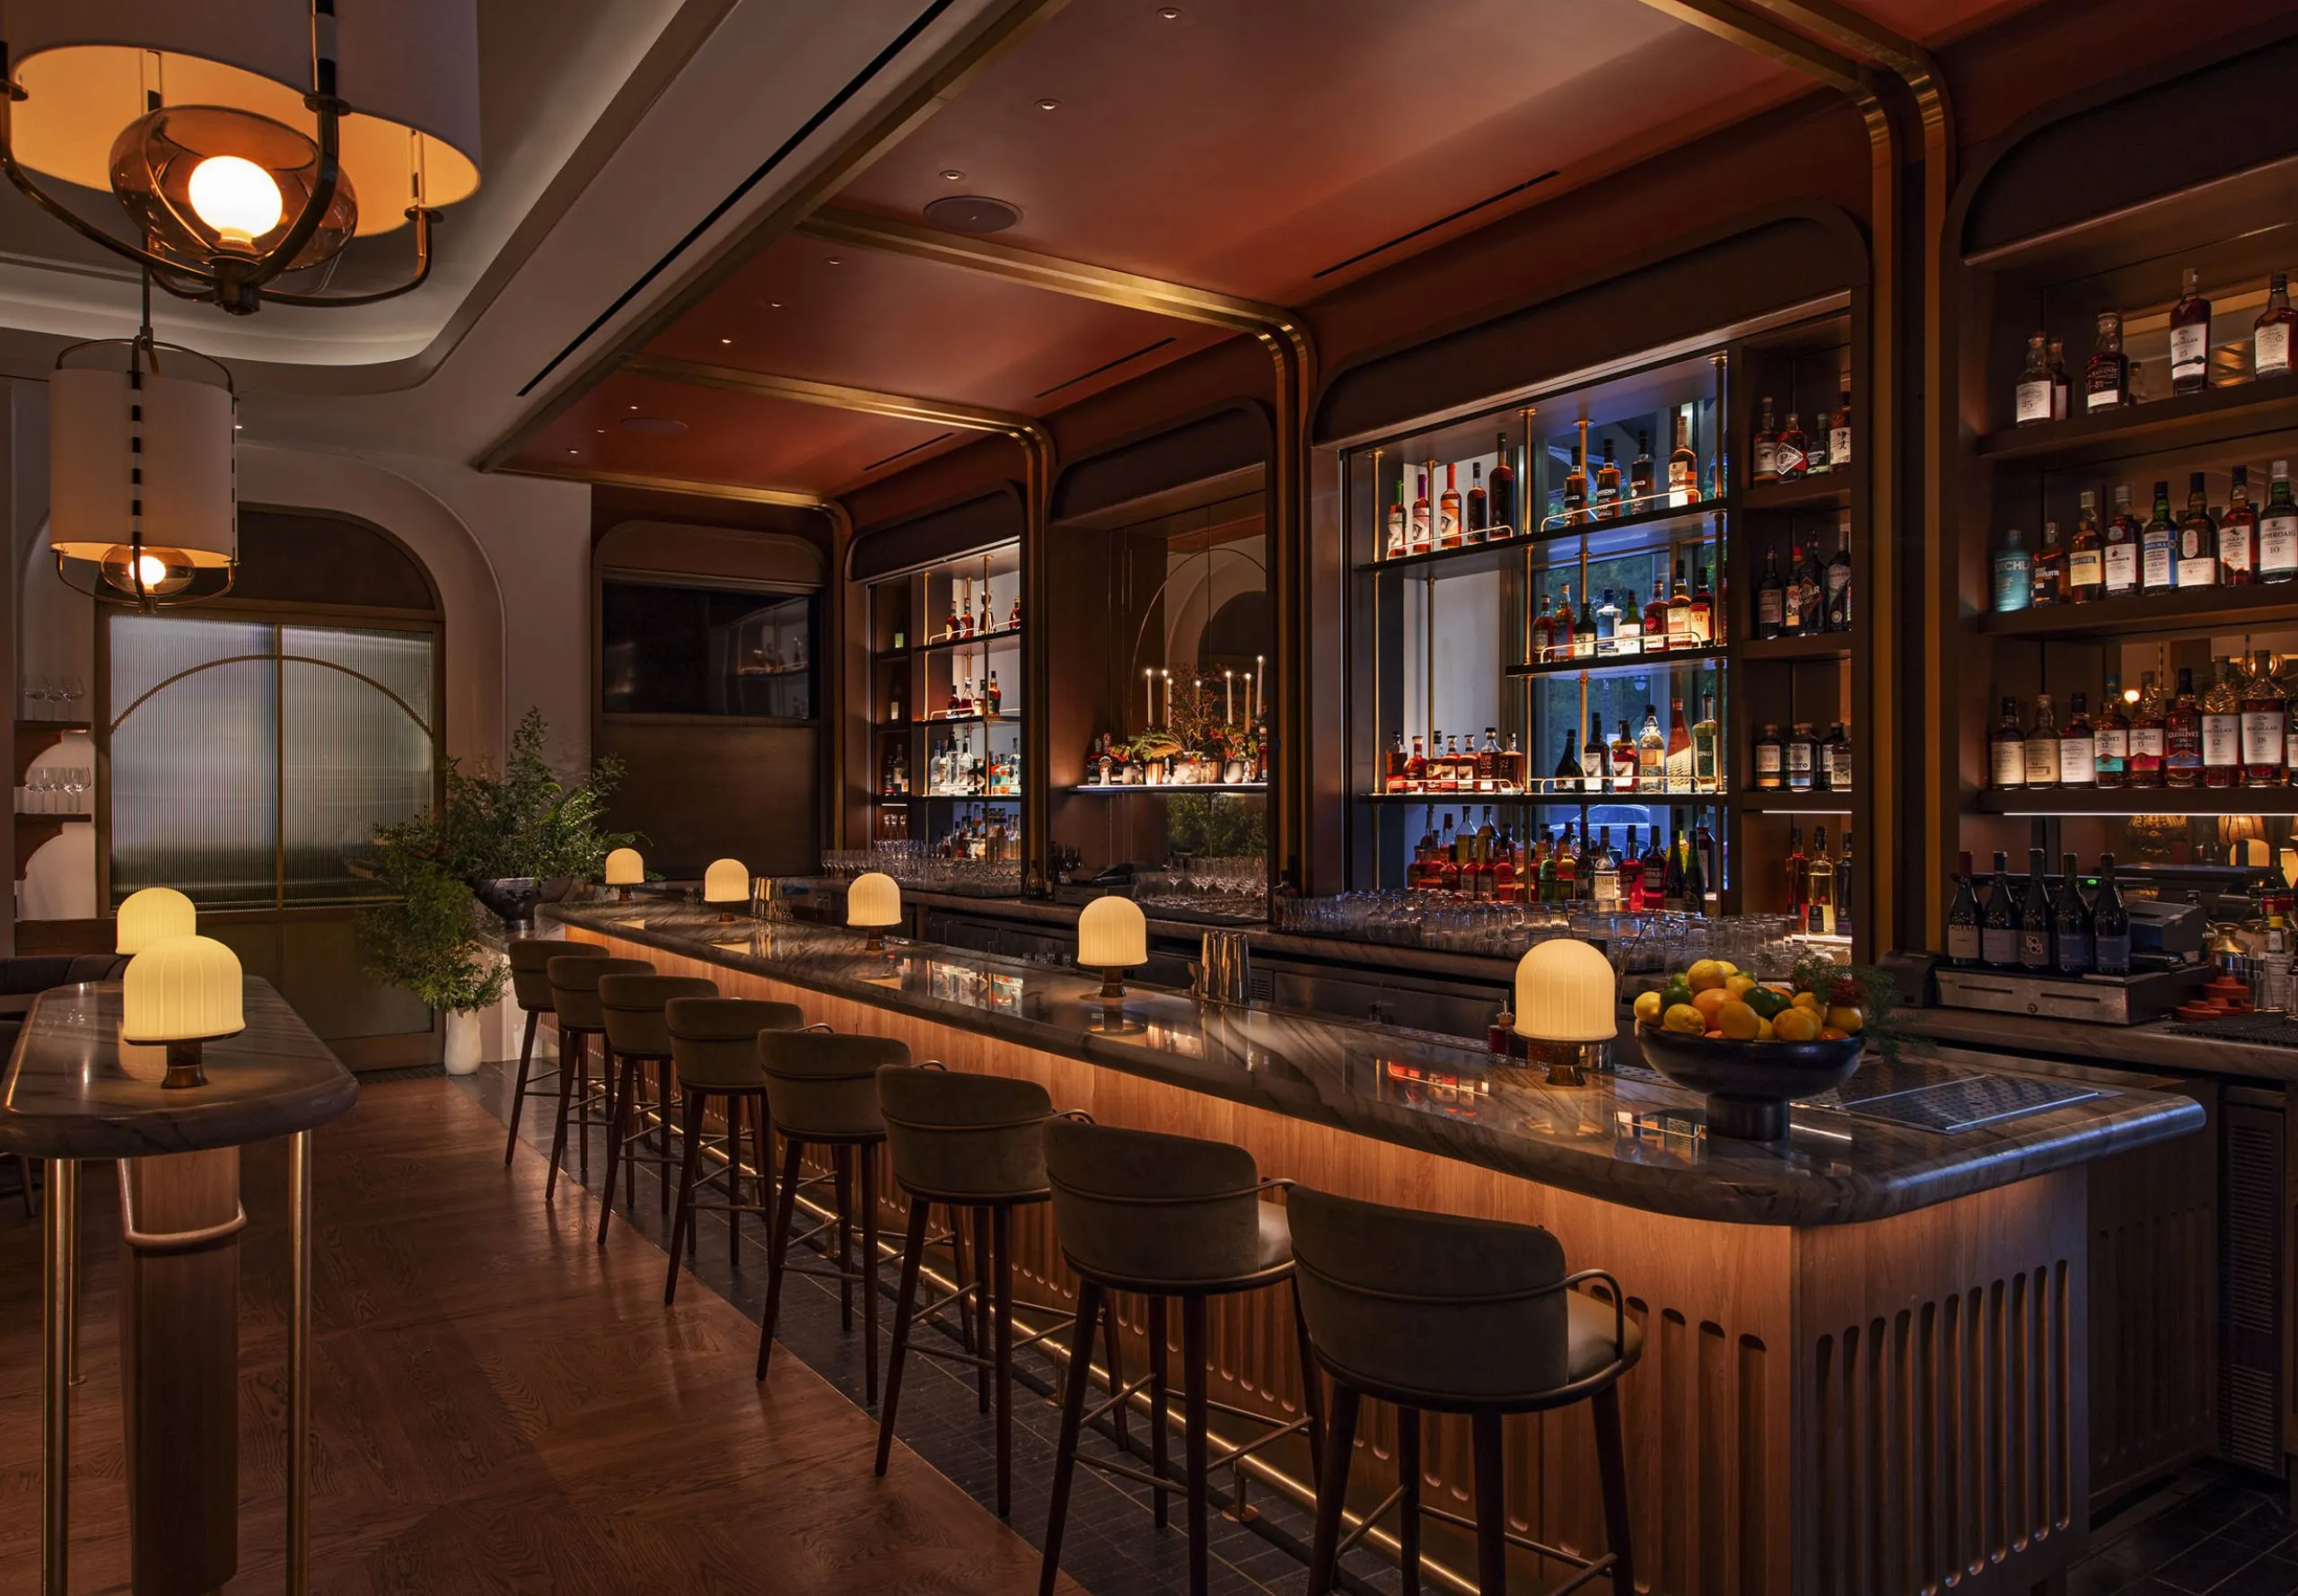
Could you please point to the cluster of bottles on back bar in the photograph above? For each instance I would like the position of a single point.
(1818, 883)
(1783, 453)
(2045, 392)
(985, 833)
(2039, 926)
(1684, 758)
(1487, 514)
(1486, 863)
(1809, 598)
(956, 771)
(1672, 621)
(966, 702)
(2240, 732)
(1448, 767)
(964, 621)
(2241, 544)
(1803, 761)
(1590, 497)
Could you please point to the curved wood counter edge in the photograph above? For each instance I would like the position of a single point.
(74, 1090)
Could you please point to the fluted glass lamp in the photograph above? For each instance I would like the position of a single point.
(1567, 998)
(150, 915)
(727, 883)
(181, 992)
(872, 903)
(1113, 937)
(625, 870)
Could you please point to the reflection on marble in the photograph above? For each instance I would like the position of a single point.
(1629, 1139)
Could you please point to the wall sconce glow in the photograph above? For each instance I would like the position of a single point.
(1567, 998)
(625, 870)
(872, 903)
(183, 991)
(150, 915)
(236, 198)
(726, 882)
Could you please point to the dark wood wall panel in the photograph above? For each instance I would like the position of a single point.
(977, 521)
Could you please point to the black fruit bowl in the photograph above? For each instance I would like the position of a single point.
(1748, 1085)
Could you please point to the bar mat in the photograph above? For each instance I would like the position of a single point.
(2262, 1030)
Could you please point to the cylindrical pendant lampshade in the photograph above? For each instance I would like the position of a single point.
(624, 868)
(727, 881)
(184, 989)
(873, 901)
(154, 915)
(1112, 934)
(1567, 992)
(107, 423)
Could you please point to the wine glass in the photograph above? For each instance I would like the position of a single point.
(70, 690)
(35, 697)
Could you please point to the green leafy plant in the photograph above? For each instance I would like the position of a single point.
(424, 936)
(1874, 991)
(527, 821)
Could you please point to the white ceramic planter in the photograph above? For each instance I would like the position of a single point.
(463, 1037)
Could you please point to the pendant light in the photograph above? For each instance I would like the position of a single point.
(244, 140)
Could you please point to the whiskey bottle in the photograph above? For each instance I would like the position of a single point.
(1608, 625)
(1624, 759)
(1838, 580)
(2190, 339)
(1487, 762)
(1835, 760)
(2086, 571)
(2030, 399)
(1675, 758)
(2106, 380)
(2042, 746)
(2078, 746)
(1788, 457)
(1596, 760)
(1503, 493)
(1683, 467)
(1639, 477)
(2198, 537)
(1627, 632)
(1819, 887)
(1608, 486)
(2182, 736)
(1479, 506)
(2150, 750)
(1396, 547)
(1771, 597)
(1791, 602)
(2279, 530)
(1392, 769)
(2006, 750)
(2062, 387)
(2157, 546)
(1700, 624)
(1679, 612)
(993, 695)
(1962, 918)
(1575, 486)
(1771, 758)
(1421, 533)
(1816, 462)
(1840, 434)
(2270, 351)
(1707, 764)
(2238, 534)
(1803, 757)
(1799, 877)
(2050, 569)
(2121, 552)
(1415, 768)
(1583, 631)
(2266, 725)
(2014, 575)
(1448, 511)
(2110, 735)
(1765, 455)
(1656, 617)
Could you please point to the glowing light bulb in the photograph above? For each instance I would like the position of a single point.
(236, 198)
(151, 570)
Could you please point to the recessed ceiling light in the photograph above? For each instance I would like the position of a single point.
(972, 213)
(834, 260)
(573, 451)
(771, 304)
(953, 176)
(634, 406)
(1171, 13)
(726, 340)
(1048, 105)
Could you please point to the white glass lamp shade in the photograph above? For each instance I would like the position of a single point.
(727, 881)
(1112, 934)
(873, 902)
(624, 868)
(106, 424)
(154, 915)
(186, 988)
(1567, 992)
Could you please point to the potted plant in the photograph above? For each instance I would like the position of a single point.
(425, 937)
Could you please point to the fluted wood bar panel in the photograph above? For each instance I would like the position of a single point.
(1856, 1409)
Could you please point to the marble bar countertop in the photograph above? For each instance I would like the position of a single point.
(2156, 1046)
(1634, 1139)
(74, 1090)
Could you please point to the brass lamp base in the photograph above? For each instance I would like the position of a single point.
(1568, 1064)
(622, 894)
(875, 941)
(184, 1067)
(1112, 997)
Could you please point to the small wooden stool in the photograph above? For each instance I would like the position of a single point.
(575, 998)
(713, 1043)
(531, 958)
(632, 1007)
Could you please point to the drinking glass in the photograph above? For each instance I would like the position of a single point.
(70, 691)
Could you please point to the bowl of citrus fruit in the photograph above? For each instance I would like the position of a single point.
(1752, 1047)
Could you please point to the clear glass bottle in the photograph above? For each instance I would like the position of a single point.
(2078, 746)
(2030, 398)
(2006, 750)
(2042, 745)
(2106, 380)
(2087, 569)
(1706, 765)
(1819, 887)
(1652, 751)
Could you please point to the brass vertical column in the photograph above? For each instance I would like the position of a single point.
(299, 1364)
(60, 1284)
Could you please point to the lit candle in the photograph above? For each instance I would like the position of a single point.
(1228, 697)
(1249, 695)
(1148, 697)
(1168, 678)
(1260, 674)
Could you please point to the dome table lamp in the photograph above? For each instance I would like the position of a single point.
(181, 992)
(872, 903)
(1567, 1009)
(1113, 937)
(153, 915)
(727, 883)
(625, 870)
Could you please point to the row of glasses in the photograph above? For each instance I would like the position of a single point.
(55, 790)
(53, 698)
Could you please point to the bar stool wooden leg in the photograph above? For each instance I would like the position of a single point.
(618, 1129)
(607, 1102)
(1116, 1376)
(1193, 1375)
(519, 1093)
(1313, 1391)
(1073, 1415)
(1491, 1505)
(1611, 1464)
(1409, 1505)
(980, 1305)
(868, 1158)
(633, 1102)
(666, 1094)
(733, 1121)
(1332, 1489)
(1002, 1318)
(1159, 1356)
(957, 1218)
(761, 1140)
(913, 1256)
(572, 1061)
(778, 1247)
(682, 1222)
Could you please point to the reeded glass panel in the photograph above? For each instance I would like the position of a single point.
(356, 749)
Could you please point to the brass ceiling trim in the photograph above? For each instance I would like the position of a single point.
(788, 498)
(837, 396)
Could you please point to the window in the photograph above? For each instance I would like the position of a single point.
(251, 760)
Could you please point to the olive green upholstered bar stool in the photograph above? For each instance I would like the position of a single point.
(531, 958)
(631, 1005)
(714, 1044)
(575, 998)
(821, 1091)
(1435, 1313)
(1174, 1219)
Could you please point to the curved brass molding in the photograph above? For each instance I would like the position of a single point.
(837, 395)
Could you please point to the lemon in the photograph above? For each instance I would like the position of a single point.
(1807, 1000)
(1796, 1025)
(1738, 986)
(1727, 967)
(1705, 974)
(1648, 1008)
(1738, 1021)
(1847, 1020)
(1763, 1030)
(1685, 1019)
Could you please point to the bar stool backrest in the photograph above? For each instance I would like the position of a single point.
(1137, 1205)
(531, 958)
(955, 1137)
(632, 1008)
(575, 988)
(714, 1040)
(1408, 1300)
(824, 1085)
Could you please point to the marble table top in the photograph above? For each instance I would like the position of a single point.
(1632, 1139)
(74, 1090)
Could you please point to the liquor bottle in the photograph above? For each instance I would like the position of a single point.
(1639, 477)
(1652, 752)
(2266, 725)
(1998, 923)
(1792, 623)
(1655, 874)
(1765, 455)
(1543, 644)
(1607, 486)
(1803, 757)
(1835, 760)
(2042, 746)
(1479, 505)
(1700, 624)
(2071, 930)
(993, 694)
(1771, 597)
(1679, 612)
(1624, 761)
(1505, 873)
(2035, 917)
(1595, 758)
(1811, 580)
(2048, 569)
(1575, 485)
(2110, 734)
(2190, 339)
(1683, 467)
(1419, 533)
(1448, 511)
(1551, 868)
(2030, 399)
(2006, 750)
(1815, 447)
(2078, 746)
(1799, 877)
(1672, 879)
(1771, 758)
(2062, 387)
(1448, 860)
(2150, 750)
(2182, 736)
(2279, 530)
(1631, 876)
(1676, 761)
(1838, 580)
(1655, 617)
(2198, 537)
(2157, 546)
(1583, 869)
(2222, 730)
(1627, 631)
(988, 623)
(949, 626)
(2110, 924)
(2014, 575)
(1392, 769)
(1699, 848)
(1013, 615)
(1396, 545)
(893, 705)
(1840, 434)
(2122, 542)
(1607, 625)
(1503, 493)
(1819, 887)
(1487, 762)
(1604, 867)
(2270, 351)
(1706, 765)
(1583, 631)
(1415, 768)
(2087, 569)
(1512, 766)
(1962, 918)
(1788, 458)
(2106, 380)
(965, 612)
(2238, 534)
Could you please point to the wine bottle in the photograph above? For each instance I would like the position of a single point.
(2073, 925)
(1999, 925)
(2110, 924)
(1962, 918)
(2035, 917)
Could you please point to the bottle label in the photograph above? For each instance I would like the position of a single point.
(1448, 527)
(2197, 570)
(1768, 762)
(2010, 763)
(1838, 582)
(2270, 349)
(2034, 949)
(1962, 943)
(2084, 569)
(2190, 350)
(1999, 945)
(1788, 459)
(1838, 770)
(2265, 734)
(2277, 543)
(2233, 548)
(1799, 759)
(2013, 584)
(2122, 566)
(2078, 761)
(2106, 394)
(1766, 457)
(2112, 955)
(2042, 762)
(2033, 400)
(2074, 952)
(2221, 740)
(1771, 607)
(2148, 743)
(2157, 569)
(2113, 744)
(1839, 446)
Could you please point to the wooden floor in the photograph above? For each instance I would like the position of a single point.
(499, 1407)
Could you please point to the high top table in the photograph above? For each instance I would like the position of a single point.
(74, 1091)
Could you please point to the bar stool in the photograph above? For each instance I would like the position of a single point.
(575, 998)
(632, 1008)
(714, 1044)
(821, 1091)
(1442, 1314)
(974, 1144)
(1169, 1217)
(531, 958)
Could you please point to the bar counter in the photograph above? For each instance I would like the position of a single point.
(1867, 1353)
